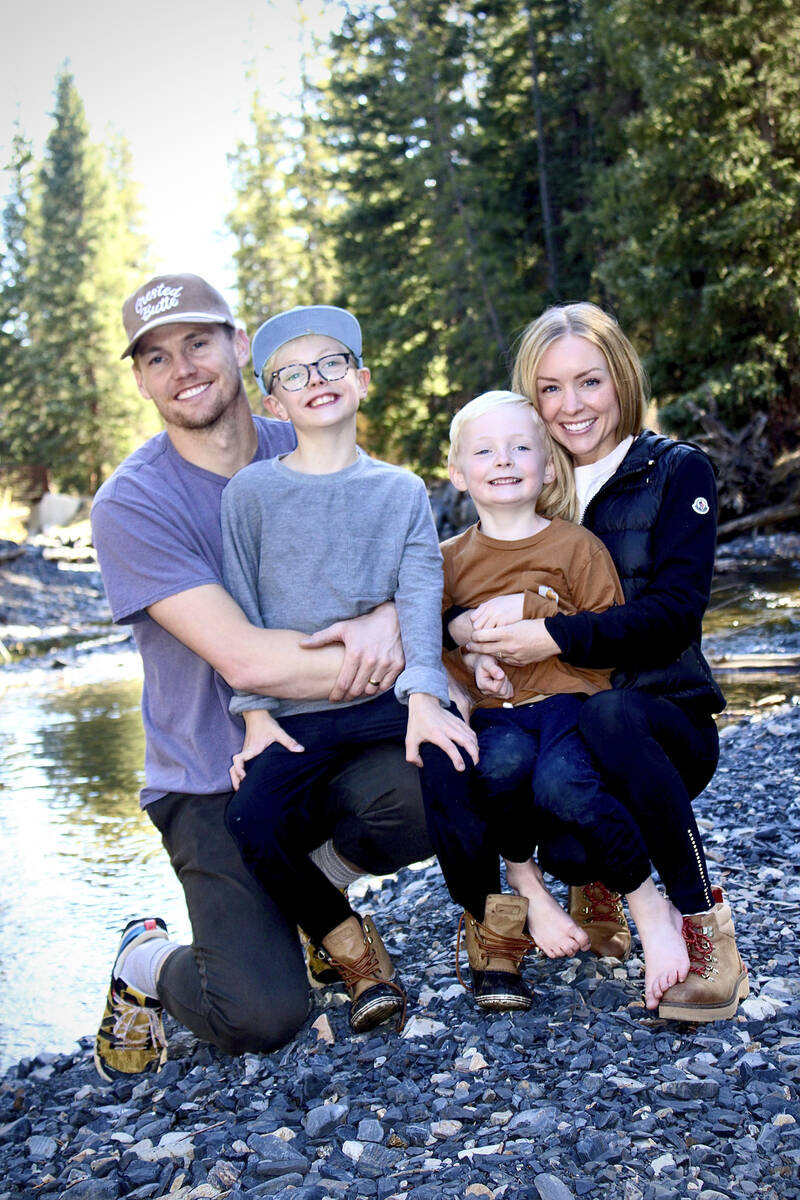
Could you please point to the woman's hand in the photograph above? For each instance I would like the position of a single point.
(518, 645)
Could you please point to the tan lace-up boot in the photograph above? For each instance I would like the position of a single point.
(717, 979)
(600, 913)
(496, 947)
(356, 950)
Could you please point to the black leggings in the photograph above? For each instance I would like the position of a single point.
(656, 759)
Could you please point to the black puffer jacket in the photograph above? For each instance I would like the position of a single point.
(657, 516)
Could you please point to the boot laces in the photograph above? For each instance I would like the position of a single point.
(700, 948)
(137, 1027)
(494, 945)
(601, 904)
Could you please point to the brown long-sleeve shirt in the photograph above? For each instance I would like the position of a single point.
(564, 568)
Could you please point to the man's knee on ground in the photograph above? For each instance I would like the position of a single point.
(258, 1025)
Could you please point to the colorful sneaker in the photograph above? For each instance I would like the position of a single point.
(131, 1037)
(321, 972)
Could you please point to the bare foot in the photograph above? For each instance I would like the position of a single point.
(553, 929)
(666, 960)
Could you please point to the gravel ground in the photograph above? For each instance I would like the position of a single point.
(586, 1095)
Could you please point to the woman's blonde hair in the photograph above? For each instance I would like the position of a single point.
(554, 499)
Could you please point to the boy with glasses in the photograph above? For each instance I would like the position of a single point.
(352, 532)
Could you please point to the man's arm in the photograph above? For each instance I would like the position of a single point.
(268, 661)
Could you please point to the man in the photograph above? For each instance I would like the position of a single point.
(242, 983)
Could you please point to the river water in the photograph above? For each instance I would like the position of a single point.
(78, 858)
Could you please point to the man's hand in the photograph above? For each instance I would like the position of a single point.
(518, 644)
(429, 722)
(260, 730)
(490, 678)
(373, 652)
(500, 610)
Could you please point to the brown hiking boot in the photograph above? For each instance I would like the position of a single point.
(600, 913)
(717, 978)
(496, 947)
(356, 950)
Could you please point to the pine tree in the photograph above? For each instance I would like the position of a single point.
(15, 360)
(82, 410)
(699, 213)
(412, 235)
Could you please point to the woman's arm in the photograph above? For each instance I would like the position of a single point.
(654, 627)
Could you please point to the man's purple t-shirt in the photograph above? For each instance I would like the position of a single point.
(156, 528)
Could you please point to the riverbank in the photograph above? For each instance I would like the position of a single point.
(584, 1096)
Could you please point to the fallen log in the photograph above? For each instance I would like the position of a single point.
(774, 515)
(752, 664)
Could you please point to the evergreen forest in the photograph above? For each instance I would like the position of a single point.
(461, 166)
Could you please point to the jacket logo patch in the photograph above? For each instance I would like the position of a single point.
(700, 506)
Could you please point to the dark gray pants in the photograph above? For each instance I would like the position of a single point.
(242, 983)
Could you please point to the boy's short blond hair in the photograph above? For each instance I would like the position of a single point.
(554, 500)
(488, 402)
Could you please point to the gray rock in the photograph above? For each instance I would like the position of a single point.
(320, 1122)
(276, 1157)
(533, 1122)
(93, 1189)
(550, 1187)
(15, 1131)
(370, 1130)
(41, 1148)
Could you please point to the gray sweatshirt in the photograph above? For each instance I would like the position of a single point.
(303, 551)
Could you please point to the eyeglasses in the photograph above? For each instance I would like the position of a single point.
(296, 375)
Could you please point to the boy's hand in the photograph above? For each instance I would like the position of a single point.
(260, 730)
(459, 696)
(373, 652)
(460, 628)
(429, 722)
(491, 679)
(500, 610)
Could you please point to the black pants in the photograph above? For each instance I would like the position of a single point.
(241, 984)
(536, 771)
(656, 758)
(278, 814)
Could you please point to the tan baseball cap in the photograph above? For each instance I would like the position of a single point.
(165, 299)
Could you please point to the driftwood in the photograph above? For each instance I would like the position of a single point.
(775, 515)
(756, 664)
(742, 458)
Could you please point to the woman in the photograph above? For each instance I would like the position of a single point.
(652, 502)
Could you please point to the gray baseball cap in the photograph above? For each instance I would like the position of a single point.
(296, 322)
